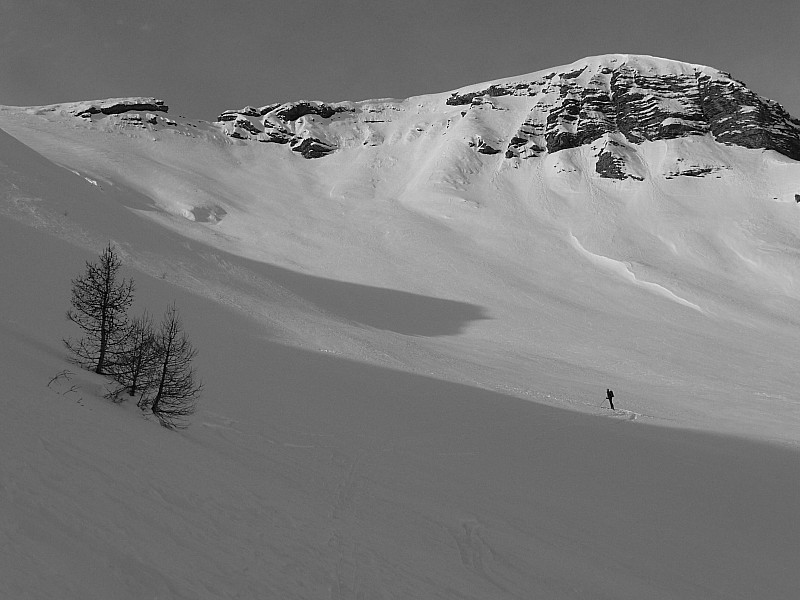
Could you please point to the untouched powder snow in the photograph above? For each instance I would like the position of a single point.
(405, 347)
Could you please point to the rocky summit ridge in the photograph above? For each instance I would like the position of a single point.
(613, 101)
(644, 99)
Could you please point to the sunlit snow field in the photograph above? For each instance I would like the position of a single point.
(405, 350)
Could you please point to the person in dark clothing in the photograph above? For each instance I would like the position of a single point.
(610, 396)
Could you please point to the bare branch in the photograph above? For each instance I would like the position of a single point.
(65, 374)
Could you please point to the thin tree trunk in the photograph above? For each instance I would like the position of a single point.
(103, 323)
(157, 399)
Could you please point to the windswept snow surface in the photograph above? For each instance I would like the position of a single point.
(405, 348)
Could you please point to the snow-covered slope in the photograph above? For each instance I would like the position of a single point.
(383, 328)
(662, 282)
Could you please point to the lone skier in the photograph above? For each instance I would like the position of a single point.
(610, 397)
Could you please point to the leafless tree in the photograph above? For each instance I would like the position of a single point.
(99, 307)
(134, 370)
(174, 390)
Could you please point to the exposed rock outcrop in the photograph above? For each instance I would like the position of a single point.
(617, 160)
(116, 106)
(643, 102)
(485, 148)
(644, 107)
(294, 110)
(613, 166)
(312, 148)
(457, 99)
(738, 116)
(282, 124)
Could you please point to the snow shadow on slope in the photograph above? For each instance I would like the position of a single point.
(59, 200)
(381, 308)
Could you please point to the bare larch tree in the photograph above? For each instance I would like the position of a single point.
(99, 307)
(173, 391)
(134, 370)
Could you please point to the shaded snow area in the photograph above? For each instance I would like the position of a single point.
(405, 347)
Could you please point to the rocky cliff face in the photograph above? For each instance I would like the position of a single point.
(116, 106)
(644, 100)
(616, 100)
(619, 101)
(282, 124)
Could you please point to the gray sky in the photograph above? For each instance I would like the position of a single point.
(203, 57)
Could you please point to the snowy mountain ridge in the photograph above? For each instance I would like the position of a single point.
(625, 99)
(613, 102)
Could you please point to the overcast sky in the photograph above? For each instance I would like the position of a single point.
(204, 56)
